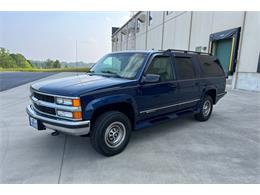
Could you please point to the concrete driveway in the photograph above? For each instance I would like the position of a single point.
(225, 149)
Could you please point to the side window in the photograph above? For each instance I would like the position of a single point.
(184, 68)
(162, 66)
(210, 66)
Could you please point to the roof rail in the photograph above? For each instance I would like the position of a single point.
(185, 51)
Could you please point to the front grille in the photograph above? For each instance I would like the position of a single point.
(42, 108)
(45, 109)
(43, 97)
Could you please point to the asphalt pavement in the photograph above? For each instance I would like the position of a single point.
(225, 149)
(10, 80)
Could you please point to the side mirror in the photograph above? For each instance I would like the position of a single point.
(151, 78)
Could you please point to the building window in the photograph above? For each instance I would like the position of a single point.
(200, 49)
(150, 18)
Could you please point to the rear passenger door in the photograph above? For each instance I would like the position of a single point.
(188, 83)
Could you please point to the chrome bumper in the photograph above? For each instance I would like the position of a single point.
(69, 127)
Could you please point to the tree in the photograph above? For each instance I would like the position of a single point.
(6, 61)
(3, 50)
(21, 61)
(56, 64)
(49, 63)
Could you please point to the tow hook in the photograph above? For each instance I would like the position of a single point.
(55, 133)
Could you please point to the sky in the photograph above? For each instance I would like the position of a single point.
(53, 35)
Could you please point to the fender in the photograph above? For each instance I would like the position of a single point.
(108, 100)
(203, 92)
(207, 88)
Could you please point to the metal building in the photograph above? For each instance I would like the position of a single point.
(232, 36)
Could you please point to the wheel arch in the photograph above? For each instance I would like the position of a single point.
(212, 93)
(122, 103)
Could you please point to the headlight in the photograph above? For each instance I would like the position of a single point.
(63, 101)
(64, 113)
(68, 102)
(75, 115)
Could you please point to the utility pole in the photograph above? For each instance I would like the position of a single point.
(77, 55)
(76, 52)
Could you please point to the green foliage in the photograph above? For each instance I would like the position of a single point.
(18, 61)
(6, 61)
(56, 64)
(53, 64)
(49, 63)
(21, 61)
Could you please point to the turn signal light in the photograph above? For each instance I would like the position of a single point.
(77, 115)
(76, 102)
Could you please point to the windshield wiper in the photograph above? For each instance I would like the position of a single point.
(111, 72)
(91, 72)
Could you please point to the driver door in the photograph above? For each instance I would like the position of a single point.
(156, 98)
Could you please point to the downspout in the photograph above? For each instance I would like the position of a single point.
(234, 83)
(121, 39)
(127, 37)
(146, 30)
(191, 16)
(135, 32)
(163, 30)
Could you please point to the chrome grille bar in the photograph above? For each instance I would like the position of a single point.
(54, 105)
(43, 105)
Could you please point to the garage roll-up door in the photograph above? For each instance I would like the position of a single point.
(224, 45)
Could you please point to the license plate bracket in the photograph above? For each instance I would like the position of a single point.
(36, 124)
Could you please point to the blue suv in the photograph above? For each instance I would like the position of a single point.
(126, 91)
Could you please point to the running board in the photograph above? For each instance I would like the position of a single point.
(157, 120)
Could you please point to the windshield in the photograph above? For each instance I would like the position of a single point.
(124, 65)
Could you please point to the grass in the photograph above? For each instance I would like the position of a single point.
(44, 70)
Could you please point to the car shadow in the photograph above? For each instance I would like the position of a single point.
(80, 147)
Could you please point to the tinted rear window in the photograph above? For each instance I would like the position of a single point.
(210, 66)
(184, 68)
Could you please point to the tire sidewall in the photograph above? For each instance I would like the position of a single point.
(207, 97)
(100, 130)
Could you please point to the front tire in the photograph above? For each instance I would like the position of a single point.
(205, 109)
(111, 133)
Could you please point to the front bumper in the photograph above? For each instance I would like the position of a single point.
(70, 127)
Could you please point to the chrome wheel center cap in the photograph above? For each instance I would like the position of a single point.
(115, 134)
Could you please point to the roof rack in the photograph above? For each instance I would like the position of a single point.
(185, 51)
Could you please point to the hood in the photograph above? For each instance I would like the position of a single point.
(78, 85)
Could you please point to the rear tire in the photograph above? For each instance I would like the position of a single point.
(206, 108)
(111, 133)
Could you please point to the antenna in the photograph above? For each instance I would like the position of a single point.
(77, 55)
